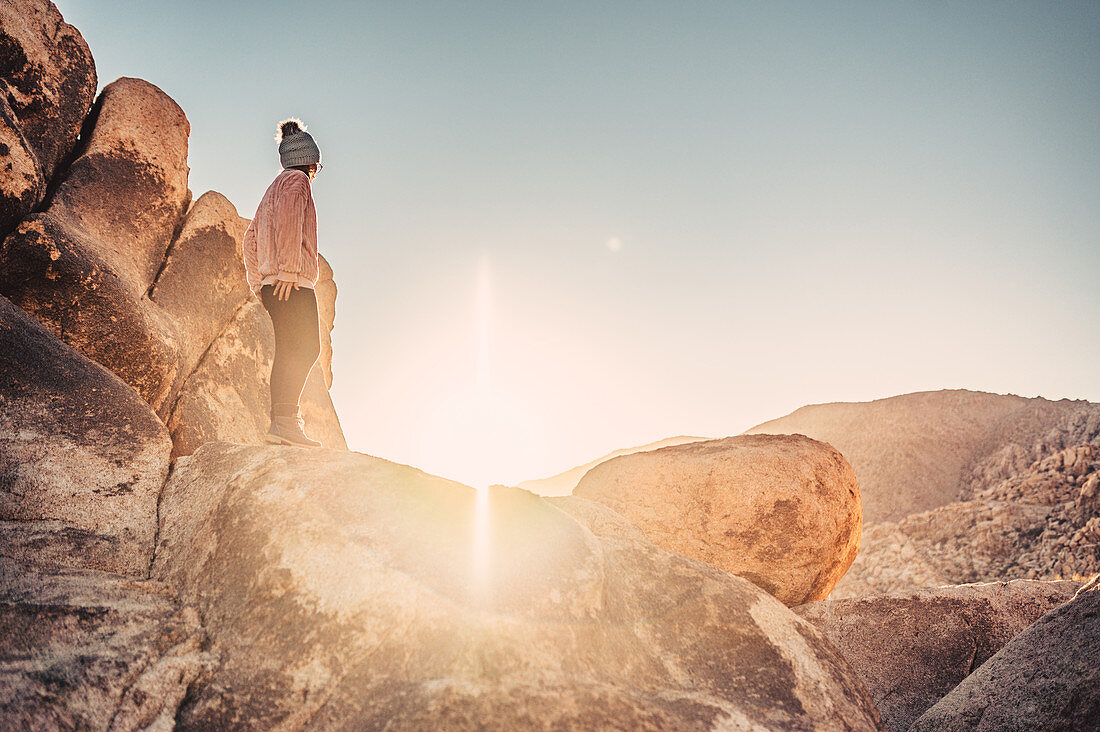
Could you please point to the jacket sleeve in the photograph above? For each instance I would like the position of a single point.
(290, 214)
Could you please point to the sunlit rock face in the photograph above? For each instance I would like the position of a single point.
(226, 397)
(782, 511)
(88, 650)
(1046, 678)
(82, 456)
(343, 591)
(47, 82)
(911, 649)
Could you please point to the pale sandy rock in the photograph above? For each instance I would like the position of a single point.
(326, 312)
(201, 283)
(47, 82)
(916, 452)
(88, 650)
(912, 649)
(128, 189)
(82, 456)
(1046, 678)
(226, 397)
(782, 511)
(342, 591)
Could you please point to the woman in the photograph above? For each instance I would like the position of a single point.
(280, 260)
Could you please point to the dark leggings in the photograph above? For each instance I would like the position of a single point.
(297, 343)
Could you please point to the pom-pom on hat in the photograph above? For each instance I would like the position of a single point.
(296, 146)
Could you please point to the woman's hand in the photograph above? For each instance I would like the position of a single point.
(282, 289)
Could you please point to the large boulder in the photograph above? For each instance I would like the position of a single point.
(911, 649)
(82, 456)
(88, 650)
(1046, 678)
(47, 83)
(343, 591)
(782, 511)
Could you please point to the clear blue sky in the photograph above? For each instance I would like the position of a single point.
(687, 217)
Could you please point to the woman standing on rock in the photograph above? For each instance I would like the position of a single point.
(281, 263)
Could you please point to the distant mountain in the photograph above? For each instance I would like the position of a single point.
(916, 452)
(562, 484)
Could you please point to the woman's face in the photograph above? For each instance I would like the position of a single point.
(314, 169)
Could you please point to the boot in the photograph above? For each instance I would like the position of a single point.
(286, 427)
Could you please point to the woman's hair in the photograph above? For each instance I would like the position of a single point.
(288, 127)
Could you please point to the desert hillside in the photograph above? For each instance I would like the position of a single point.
(962, 486)
(161, 568)
(916, 452)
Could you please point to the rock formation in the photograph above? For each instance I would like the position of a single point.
(47, 82)
(1046, 678)
(912, 649)
(340, 589)
(125, 269)
(781, 511)
(1043, 522)
(88, 650)
(82, 457)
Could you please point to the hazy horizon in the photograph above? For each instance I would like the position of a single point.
(560, 230)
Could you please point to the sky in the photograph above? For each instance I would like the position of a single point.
(563, 228)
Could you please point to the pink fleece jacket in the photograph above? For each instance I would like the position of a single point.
(281, 241)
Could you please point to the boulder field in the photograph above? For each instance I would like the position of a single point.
(782, 511)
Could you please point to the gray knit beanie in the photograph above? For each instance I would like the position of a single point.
(296, 146)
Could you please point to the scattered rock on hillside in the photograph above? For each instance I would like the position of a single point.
(916, 452)
(82, 456)
(345, 591)
(90, 650)
(47, 82)
(1047, 677)
(1042, 523)
(782, 511)
(911, 649)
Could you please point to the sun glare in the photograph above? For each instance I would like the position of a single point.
(482, 434)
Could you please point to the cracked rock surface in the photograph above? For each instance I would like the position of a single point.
(82, 456)
(47, 83)
(1046, 678)
(911, 649)
(89, 650)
